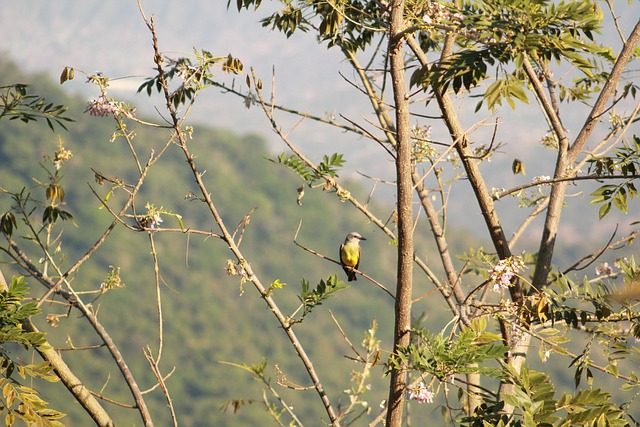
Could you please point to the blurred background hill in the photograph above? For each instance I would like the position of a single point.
(208, 318)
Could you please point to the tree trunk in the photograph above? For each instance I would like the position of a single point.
(402, 335)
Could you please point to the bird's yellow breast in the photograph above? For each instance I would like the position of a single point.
(350, 254)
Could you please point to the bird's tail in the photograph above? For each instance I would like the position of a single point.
(351, 275)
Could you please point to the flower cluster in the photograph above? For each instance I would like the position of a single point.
(153, 217)
(61, 156)
(496, 193)
(155, 221)
(422, 149)
(616, 121)
(100, 107)
(237, 269)
(502, 273)
(436, 13)
(250, 100)
(517, 335)
(421, 393)
(549, 141)
(604, 269)
(190, 75)
(54, 319)
(483, 152)
(113, 280)
(103, 107)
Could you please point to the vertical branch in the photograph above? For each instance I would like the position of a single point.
(556, 198)
(387, 126)
(443, 250)
(483, 197)
(156, 371)
(402, 331)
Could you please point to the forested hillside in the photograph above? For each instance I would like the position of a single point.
(208, 316)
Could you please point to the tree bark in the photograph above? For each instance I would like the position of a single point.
(402, 333)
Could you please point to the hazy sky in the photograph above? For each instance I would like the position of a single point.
(111, 37)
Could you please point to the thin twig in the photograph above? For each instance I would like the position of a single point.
(153, 363)
(156, 282)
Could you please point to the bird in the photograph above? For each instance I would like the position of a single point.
(350, 254)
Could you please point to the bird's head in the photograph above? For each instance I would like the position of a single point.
(354, 237)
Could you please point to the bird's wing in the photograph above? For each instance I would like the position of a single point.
(358, 261)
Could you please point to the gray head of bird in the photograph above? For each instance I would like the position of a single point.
(354, 237)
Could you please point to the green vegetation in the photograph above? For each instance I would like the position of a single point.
(201, 302)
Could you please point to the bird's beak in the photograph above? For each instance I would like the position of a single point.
(363, 238)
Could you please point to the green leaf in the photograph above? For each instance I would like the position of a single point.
(8, 223)
(613, 370)
(604, 210)
(620, 201)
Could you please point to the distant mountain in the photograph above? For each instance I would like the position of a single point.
(111, 37)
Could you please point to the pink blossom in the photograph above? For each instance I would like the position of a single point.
(421, 393)
(503, 272)
(100, 107)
